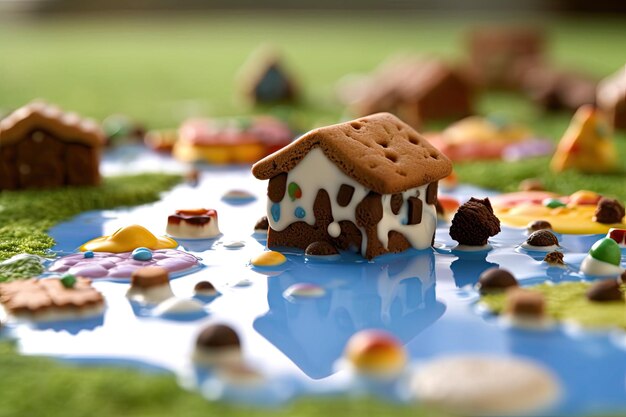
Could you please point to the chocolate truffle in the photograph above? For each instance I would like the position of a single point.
(542, 238)
(538, 225)
(525, 303)
(609, 211)
(262, 225)
(496, 279)
(531, 184)
(474, 223)
(321, 249)
(216, 337)
(605, 290)
(204, 288)
(554, 258)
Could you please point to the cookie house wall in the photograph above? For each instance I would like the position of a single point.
(303, 207)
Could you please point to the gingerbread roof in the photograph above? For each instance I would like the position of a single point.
(379, 151)
(68, 127)
(612, 89)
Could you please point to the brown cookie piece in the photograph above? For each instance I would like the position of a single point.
(396, 203)
(554, 258)
(262, 225)
(216, 337)
(605, 290)
(39, 296)
(474, 223)
(148, 277)
(609, 211)
(542, 238)
(538, 225)
(496, 280)
(525, 304)
(321, 249)
(379, 151)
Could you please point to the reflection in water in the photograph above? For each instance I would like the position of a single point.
(395, 293)
(467, 268)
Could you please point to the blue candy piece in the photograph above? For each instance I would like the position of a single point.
(88, 254)
(299, 212)
(142, 254)
(275, 212)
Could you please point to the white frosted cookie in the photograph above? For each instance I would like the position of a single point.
(482, 385)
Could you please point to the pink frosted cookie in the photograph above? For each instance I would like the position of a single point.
(122, 265)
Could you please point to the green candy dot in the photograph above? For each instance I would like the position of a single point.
(68, 281)
(606, 250)
(553, 203)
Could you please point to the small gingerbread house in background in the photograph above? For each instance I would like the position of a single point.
(555, 89)
(417, 90)
(611, 98)
(43, 147)
(369, 184)
(497, 55)
(264, 80)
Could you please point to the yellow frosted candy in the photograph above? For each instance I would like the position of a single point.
(127, 239)
(270, 258)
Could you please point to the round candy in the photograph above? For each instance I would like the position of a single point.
(142, 254)
(376, 353)
(299, 212)
(88, 254)
(304, 290)
(553, 203)
(269, 258)
(606, 250)
(68, 280)
(496, 279)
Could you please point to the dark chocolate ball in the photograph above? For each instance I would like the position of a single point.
(609, 211)
(542, 237)
(538, 225)
(204, 286)
(474, 223)
(321, 249)
(496, 279)
(605, 290)
(217, 336)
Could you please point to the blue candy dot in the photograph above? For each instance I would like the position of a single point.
(88, 254)
(299, 212)
(275, 212)
(142, 254)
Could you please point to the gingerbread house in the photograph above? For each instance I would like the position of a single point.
(43, 147)
(417, 90)
(368, 184)
(611, 97)
(265, 81)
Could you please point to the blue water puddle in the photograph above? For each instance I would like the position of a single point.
(425, 298)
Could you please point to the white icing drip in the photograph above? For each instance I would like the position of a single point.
(419, 235)
(334, 229)
(315, 172)
(592, 266)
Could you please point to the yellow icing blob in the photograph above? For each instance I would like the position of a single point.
(571, 219)
(128, 238)
(270, 258)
